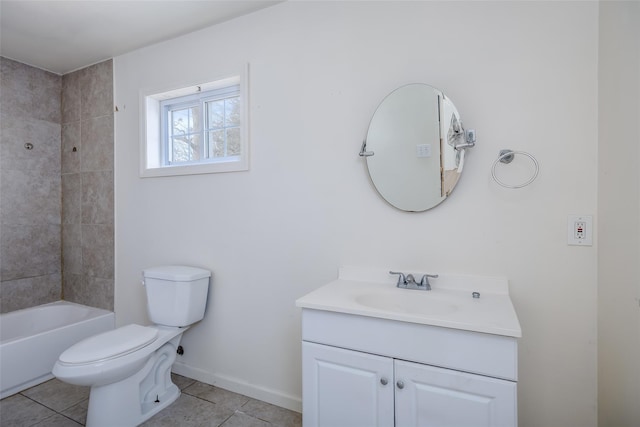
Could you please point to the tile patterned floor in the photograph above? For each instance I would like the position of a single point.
(57, 404)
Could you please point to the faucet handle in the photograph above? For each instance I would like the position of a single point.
(401, 278)
(425, 280)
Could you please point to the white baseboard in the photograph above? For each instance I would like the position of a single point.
(239, 386)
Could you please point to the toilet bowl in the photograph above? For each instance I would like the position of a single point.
(129, 368)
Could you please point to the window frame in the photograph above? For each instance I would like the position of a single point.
(154, 144)
(199, 100)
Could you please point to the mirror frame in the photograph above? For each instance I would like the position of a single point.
(413, 163)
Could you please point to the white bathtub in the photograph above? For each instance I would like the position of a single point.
(32, 339)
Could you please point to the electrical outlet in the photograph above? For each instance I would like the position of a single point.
(580, 230)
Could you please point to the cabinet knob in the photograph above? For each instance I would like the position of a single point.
(384, 381)
(400, 384)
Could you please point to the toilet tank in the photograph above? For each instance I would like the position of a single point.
(176, 294)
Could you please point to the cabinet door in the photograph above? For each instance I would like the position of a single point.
(344, 388)
(427, 396)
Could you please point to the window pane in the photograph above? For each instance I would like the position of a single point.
(215, 113)
(185, 148)
(216, 144)
(233, 142)
(183, 121)
(232, 111)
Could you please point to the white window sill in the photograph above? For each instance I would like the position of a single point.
(195, 169)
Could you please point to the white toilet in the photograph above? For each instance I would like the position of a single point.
(129, 368)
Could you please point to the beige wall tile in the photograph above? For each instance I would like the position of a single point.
(29, 91)
(70, 151)
(97, 144)
(97, 197)
(96, 90)
(28, 292)
(71, 198)
(70, 104)
(29, 250)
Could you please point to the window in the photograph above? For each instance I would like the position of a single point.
(196, 129)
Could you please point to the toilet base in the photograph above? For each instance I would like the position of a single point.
(134, 400)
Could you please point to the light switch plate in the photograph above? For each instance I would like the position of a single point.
(423, 150)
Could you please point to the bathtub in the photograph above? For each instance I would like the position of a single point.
(32, 339)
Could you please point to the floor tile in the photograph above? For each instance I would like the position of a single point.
(189, 411)
(57, 395)
(58, 404)
(57, 420)
(217, 395)
(181, 382)
(276, 415)
(77, 412)
(18, 411)
(240, 419)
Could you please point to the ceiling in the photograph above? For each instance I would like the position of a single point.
(63, 36)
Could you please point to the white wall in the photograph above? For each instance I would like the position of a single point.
(619, 216)
(523, 74)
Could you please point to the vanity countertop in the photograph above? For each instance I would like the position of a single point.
(449, 304)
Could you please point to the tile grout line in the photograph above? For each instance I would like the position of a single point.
(235, 410)
(63, 415)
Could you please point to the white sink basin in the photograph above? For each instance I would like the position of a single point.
(411, 302)
(449, 304)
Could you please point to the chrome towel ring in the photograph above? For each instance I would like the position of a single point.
(506, 157)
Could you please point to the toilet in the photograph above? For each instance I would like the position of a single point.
(129, 368)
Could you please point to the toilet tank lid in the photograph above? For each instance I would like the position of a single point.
(179, 273)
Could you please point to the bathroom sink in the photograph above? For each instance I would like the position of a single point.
(409, 302)
(449, 304)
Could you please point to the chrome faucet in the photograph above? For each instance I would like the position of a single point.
(425, 281)
(409, 281)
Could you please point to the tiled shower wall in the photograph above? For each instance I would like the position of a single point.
(30, 269)
(87, 186)
(56, 200)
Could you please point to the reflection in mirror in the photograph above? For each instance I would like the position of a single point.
(415, 147)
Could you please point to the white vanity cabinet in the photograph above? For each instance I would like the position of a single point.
(348, 388)
(453, 364)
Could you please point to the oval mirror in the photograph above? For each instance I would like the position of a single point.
(415, 147)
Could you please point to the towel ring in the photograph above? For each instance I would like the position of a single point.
(506, 156)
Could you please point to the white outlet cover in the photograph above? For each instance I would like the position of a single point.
(587, 233)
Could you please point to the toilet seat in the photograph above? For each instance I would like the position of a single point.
(116, 355)
(109, 345)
